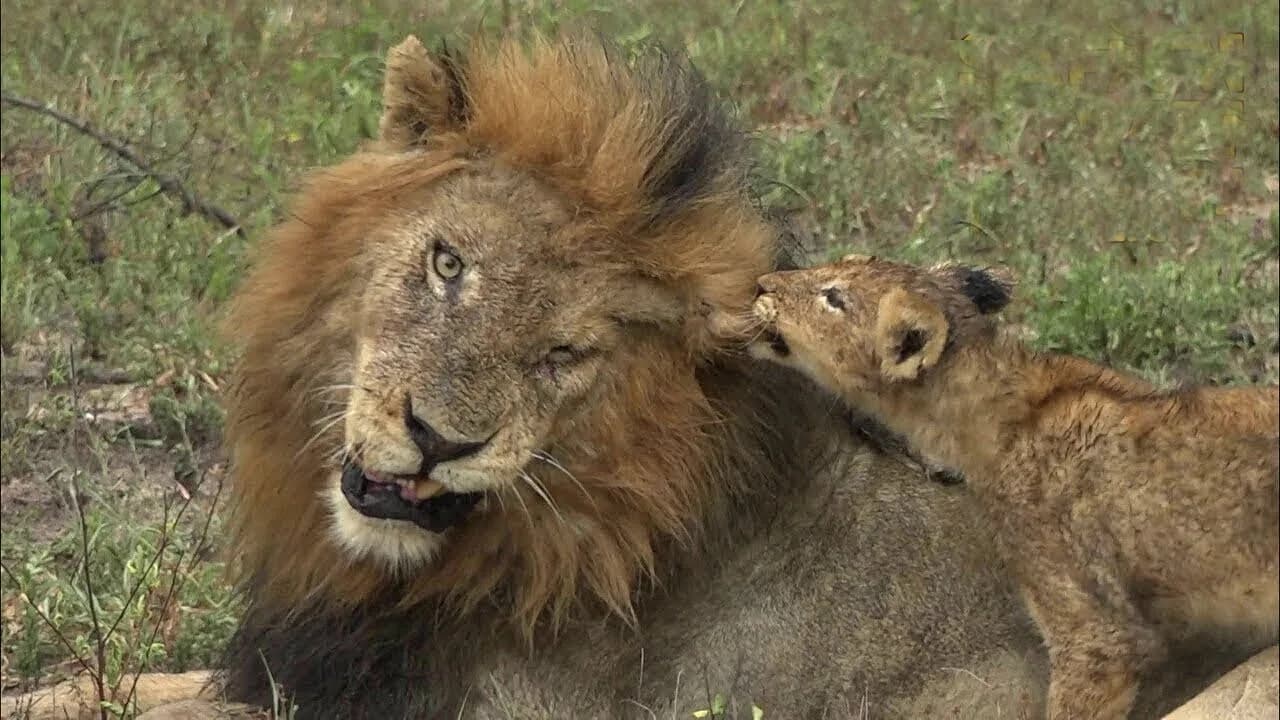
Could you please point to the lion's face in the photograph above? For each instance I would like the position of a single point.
(480, 342)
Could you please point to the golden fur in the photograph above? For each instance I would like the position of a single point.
(1131, 514)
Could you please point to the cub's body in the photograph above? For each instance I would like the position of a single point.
(1134, 520)
(1133, 516)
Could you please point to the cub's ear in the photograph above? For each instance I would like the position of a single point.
(910, 335)
(989, 289)
(421, 94)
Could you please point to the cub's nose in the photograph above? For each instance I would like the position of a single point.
(435, 448)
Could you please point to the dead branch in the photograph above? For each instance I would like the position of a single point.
(168, 183)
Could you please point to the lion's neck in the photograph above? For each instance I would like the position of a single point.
(777, 431)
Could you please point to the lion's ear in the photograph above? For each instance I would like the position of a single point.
(422, 93)
(910, 335)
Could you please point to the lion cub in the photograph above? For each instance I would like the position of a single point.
(1130, 515)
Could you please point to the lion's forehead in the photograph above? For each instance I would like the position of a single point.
(494, 206)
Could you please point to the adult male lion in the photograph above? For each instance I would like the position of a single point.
(507, 294)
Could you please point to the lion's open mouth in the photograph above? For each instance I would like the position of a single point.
(777, 343)
(388, 501)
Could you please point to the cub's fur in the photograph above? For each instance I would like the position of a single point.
(1131, 514)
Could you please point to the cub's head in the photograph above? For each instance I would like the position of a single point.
(469, 355)
(859, 323)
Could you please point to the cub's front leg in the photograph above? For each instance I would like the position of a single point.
(1098, 643)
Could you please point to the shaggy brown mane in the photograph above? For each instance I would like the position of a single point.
(653, 170)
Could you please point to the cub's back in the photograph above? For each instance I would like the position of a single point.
(1191, 475)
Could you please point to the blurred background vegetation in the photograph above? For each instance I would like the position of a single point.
(1121, 157)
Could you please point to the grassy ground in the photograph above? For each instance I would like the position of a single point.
(1122, 157)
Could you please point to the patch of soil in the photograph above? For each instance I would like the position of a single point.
(109, 446)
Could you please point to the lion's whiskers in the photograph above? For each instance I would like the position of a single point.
(548, 458)
(519, 497)
(332, 389)
(760, 329)
(325, 424)
(542, 493)
(334, 458)
(501, 503)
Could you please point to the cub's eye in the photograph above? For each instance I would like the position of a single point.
(833, 298)
(446, 264)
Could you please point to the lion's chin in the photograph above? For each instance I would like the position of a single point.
(399, 545)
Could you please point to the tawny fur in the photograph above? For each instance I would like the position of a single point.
(1131, 514)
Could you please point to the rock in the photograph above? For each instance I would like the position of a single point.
(1250, 690)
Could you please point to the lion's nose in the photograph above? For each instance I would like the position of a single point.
(435, 447)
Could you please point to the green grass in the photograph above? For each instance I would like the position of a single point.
(1121, 158)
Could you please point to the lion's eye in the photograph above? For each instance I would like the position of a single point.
(446, 264)
(833, 298)
(563, 355)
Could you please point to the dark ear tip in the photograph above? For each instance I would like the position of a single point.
(990, 289)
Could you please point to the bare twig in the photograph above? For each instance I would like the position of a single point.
(975, 226)
(87, 210)
(155, 558)
(163, 545)
(168, 183)
(178, 578)
(100, 642)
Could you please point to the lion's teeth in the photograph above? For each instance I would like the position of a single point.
(428, 489)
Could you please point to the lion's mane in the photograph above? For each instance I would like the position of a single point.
(652, 166)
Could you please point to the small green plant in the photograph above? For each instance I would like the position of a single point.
(1167, 313)
(29, 245)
